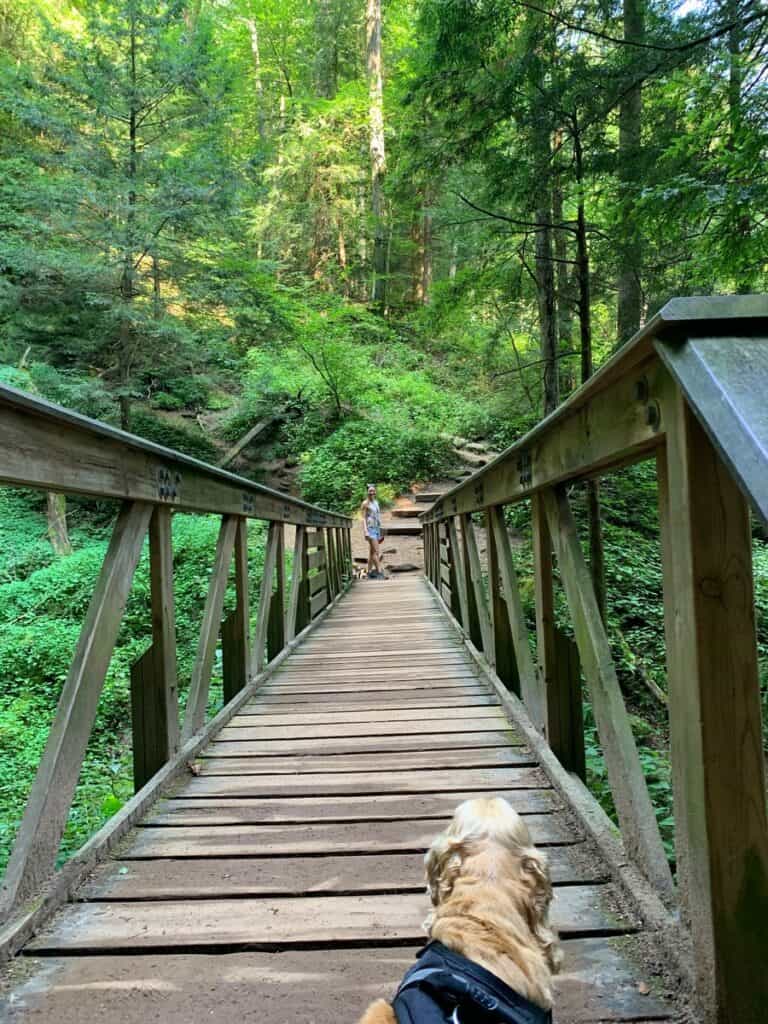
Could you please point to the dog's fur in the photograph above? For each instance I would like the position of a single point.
(490, 891)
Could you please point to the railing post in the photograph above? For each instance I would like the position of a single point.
(235, 629)
(197, 701)
(258, 653)
(480, 620)
(545, 608)
(154, 684)
(293, 615)
(276, 624)
(503, 646)
(715, 720)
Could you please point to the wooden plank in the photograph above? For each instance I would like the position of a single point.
(276, 623)
(37, 842)
(382, 698)
(54, 449)
(148, 743)
(476, 577)
(280, 923)
(411, 742)
(259, 647)
(504, 663)
(306, 810)
(600, 981)
(318, 602)
(165, 878)
(565, 709)
(345, 702)
(715, 720)
(197, 700)
(374, 686)
(316, 560)
(316, 583)
(242, 728)
(460, 573)
(292, 613)
(235, 650)
(428, 676)
(529, 683)
(413, 836)
(166, 698)
(385, 686)
(219, 761)
(633, 805)
(332, 784)
(545, 616)
(262, 717)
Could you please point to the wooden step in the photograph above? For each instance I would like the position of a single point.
(406, 512)
(428, 497)
(403, 529)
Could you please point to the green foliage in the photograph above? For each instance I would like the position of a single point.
(335, 474)
(40, 620)
(174, 435)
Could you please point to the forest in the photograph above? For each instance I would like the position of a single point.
(377, 226)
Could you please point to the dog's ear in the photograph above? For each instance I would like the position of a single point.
(443, 864)
(534, 874)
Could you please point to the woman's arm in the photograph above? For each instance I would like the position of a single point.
(364, 510)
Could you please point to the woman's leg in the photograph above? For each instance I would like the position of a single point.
(371, 553)
(377, 556)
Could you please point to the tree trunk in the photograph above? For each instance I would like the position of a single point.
(741, 224)
(57, 524)
(377, 151)
(253, 30)
(564, 283)
(630, 296)
(454, 264)
(157, 302)
(327, 52)
(594, 518)
(545, 278)
(127, 289)
(422, 262)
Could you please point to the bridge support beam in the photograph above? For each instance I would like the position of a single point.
(715, 721)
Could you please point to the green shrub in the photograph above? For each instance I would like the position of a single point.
(335, 473)
(171, 435)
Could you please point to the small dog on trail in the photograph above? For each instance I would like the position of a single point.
(492, 955)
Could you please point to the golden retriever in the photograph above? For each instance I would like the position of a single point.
(490, 890)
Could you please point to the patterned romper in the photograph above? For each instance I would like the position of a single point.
(373, 519)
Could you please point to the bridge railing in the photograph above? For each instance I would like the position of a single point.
(45, 447)
(689, 391)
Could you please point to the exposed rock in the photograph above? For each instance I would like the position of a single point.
(404, 567)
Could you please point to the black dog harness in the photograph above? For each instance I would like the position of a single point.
(446, 988)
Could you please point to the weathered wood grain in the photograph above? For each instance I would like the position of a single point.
(197, 701)
(715, 720)
(633, 804)
(282, 923)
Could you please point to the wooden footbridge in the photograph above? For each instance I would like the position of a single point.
(269, 865)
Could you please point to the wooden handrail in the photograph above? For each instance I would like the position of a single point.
(50, 448)
(659, 397)
(46, 447)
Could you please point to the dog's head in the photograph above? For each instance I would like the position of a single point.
(487, 840)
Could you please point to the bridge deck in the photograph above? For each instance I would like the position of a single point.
(282, 879)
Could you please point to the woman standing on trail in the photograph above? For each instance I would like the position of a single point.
(372, 530)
